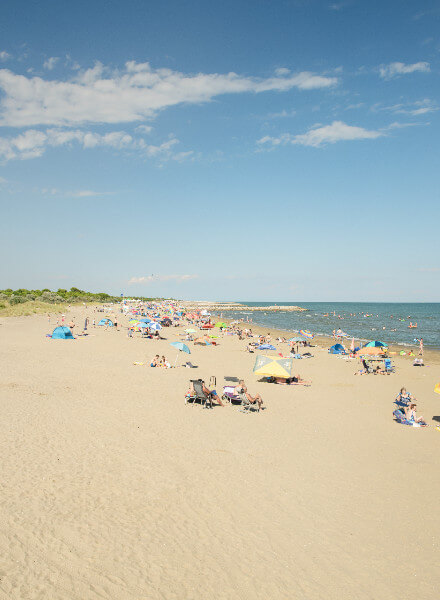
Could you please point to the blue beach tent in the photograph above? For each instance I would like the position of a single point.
(108, 322)
(337, 349)
(62, 333)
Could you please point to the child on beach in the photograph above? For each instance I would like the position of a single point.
(411, 415)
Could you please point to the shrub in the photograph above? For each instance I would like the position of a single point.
(51, 297)
(17, 299)
(2, 305)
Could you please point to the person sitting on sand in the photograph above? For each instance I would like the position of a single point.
(242, 389)
(410, 412)
(155, 362)
(250, 348)
(164, 363)
(404, 396)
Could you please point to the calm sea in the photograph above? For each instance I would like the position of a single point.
(387, 322)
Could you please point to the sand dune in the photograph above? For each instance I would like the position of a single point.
(112, 488)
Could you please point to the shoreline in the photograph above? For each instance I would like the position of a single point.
(324, 342)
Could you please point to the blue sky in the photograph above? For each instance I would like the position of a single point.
(221, 150)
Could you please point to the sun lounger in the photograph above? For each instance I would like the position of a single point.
(199, 395)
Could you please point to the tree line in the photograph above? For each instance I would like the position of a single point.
(61, 295)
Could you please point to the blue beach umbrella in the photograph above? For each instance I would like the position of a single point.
(376, 344)
(181, 346)
(145, 320)
(143, 325)
(266, 347)
(154, 326)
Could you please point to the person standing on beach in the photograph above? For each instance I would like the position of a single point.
(421, 347)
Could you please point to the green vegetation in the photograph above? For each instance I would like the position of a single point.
(24, 302)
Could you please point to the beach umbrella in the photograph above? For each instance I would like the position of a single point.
(306, 333)
(145, 320)
(370, 351)
(215, 337)
(271, 366)
(352, 345)
(181, 346)
(154, 326)
(376, 344)
(266, 347)
(142, 325)
(220, 324)
(133, 321)
(437, 388)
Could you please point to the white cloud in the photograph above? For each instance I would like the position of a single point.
(320, 135)
(3, 180)
(33, 143)
(4, 56)
(395, 69)
(86, 194)
(414, 109)
(50, 62)
(151, 278)
(135, 93)
(144, 128)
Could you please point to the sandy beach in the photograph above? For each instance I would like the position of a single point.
(113, 488)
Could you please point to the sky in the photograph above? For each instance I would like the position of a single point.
(238, 150)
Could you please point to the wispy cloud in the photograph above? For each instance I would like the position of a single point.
(135, 93)
(320, 135)
(395, 69)
(153, 278)
(50, 63)
(33, 143)
(4, 56)
(414, 109)
(87, 194)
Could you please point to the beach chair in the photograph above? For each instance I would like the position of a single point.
(389, 368)
(199, 395)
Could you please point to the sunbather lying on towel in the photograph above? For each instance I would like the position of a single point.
(295, 380)
(242, 389)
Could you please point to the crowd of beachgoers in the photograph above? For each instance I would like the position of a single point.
(149, 320)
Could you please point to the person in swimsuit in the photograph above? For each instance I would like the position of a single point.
(411, 414)
(242, 389)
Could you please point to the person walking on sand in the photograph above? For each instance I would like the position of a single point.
(421, 347)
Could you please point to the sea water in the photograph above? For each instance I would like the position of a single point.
(387, 322)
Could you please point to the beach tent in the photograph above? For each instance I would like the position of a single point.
(62, 333)
(266, 347)
(270, 366)
(337, 349)
(108, 322)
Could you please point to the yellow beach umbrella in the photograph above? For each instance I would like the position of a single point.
(437, 388)
(271, 366)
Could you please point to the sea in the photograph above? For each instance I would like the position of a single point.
(365, 321)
